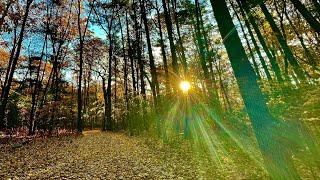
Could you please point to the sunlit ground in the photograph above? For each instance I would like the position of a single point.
(224, 140)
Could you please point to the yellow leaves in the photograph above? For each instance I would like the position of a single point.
(48, 67)
(4, 58)
(95, 156)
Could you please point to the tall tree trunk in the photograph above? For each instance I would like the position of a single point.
(277, 160)
(115, 71)
(203, 51)
(154, 80)
(80, 120)
(283, 43)
(170, 36)
(13, 65)
(13, 50)
(109, 95)
(88, 87)
(139, 54)
(306, 15)
(181, 48)
(84, 94)
(35, 91)
(255, 64)
(201, 48)
(125, 67)
(81, 46)
(105, 98)
(308, 54)
(163, 52)
(44, 96)
(137, 71)
(210, 53)
(130, 54)
(244, 9)
(224, 90)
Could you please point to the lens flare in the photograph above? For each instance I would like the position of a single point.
(185, 86)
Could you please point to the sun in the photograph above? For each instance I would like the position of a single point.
(185, 86)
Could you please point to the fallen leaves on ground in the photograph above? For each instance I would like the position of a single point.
(97, 155)
(92, 156)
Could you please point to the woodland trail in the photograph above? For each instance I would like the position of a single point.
(94, 155)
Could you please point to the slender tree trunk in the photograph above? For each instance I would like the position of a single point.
(10, 62)
(277, 160)
(308, 54)
(210, 57)
(170, 36)
(125, 67)
(203, 59)
(109, 95)
(44, 96)
(80, 120)
(84, 95)
(13, 65)
(130, 54)
(181, 48)
(244, 7)
(255, 64)
(223, 89)
(281, 17)
(163, 52)
(201, 48)
(81, 45)
(105, 98)
(154, 80)
(115, 71)
(88, 87)
(137, 71)
(139, 53)
(35, 91)
(306, 15)
(283, 43)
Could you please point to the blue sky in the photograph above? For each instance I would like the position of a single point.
(98, 32)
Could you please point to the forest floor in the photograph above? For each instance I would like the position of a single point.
(93, 155)
(97, 155)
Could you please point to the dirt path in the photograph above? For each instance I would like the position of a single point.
(94, 155)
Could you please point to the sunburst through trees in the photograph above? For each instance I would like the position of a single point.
(236, 82)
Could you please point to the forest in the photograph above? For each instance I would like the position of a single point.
(159, 89)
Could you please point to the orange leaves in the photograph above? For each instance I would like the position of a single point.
(4, 58)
